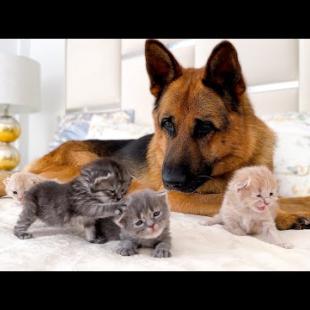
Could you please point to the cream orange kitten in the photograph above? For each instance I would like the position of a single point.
(18, 183)
(250, 204)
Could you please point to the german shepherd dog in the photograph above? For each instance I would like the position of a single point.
(205, 129)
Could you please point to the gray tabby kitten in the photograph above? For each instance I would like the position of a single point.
(144, 223)
(96, 193)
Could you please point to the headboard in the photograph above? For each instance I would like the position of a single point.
(277, 72)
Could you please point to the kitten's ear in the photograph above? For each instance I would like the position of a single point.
(6, 181)
(242, 184)
(36, 180)
(162, 194)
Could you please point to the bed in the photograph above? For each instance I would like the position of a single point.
(279, 92)
(195, 248)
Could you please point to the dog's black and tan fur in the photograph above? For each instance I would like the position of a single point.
(205, 129)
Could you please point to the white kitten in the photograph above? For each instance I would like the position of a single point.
(250, 204)
(18, 183)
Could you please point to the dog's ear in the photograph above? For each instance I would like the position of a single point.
(161, 66)
(223, 72)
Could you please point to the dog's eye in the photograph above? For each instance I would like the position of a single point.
(271, 194)
(203, 128)
(168, 125)
(15, 192)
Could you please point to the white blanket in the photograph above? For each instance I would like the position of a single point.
(195, 247)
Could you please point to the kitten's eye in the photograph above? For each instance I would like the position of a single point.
(259, 195)
(271, 194)
(156, 214)
(139, 223)
(15, 192)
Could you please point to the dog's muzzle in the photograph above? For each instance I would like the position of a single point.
(181, 179)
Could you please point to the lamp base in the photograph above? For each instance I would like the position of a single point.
(9, 128)
(9, 132)
(9, 156)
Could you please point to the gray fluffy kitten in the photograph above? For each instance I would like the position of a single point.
(96, 193)
(144, 223)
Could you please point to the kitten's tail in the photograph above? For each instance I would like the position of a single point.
(217, 219)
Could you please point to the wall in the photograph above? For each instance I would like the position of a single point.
(40, 126)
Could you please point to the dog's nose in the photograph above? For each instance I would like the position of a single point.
(174, 177)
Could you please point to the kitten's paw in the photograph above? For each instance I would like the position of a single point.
(97, 240)
(286, 245)
(24, 235)
(126, 251)
(161, 253)
(206, 222)
(120, 210)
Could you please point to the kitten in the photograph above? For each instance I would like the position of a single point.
(18, 183)
(250, 204)
(144, 223)
(96, 193)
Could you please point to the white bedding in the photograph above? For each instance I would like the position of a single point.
(195, 247)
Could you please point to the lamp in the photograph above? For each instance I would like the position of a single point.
(19, 93)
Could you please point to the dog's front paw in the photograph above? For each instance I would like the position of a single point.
(302, 223)
(24, 235)
(126, 251)
(161, 253)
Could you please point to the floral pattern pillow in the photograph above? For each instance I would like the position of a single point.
(115, 127)
(73, 126)
(292, 153)
(76, 126)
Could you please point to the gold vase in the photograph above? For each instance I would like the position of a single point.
(9, 128)
(9, 156)
(9, 132)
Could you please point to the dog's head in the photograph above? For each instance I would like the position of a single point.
(197, 114)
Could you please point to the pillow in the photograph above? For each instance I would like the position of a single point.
(75, 126)
(115, 127)
(292, 153)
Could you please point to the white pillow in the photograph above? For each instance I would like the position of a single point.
(115, 127)
(292, 153)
